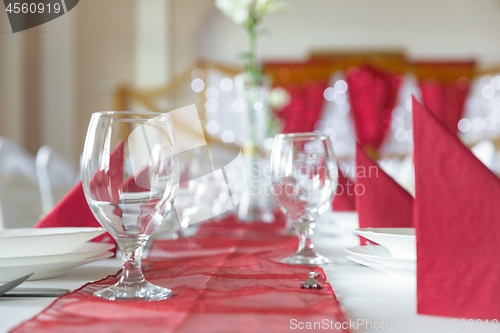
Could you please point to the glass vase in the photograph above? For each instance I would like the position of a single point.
(256, 202)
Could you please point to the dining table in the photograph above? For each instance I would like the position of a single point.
(371, 300)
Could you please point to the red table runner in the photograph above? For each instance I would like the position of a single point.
(226, 279)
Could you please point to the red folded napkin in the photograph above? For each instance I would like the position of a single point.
(73, 210)
(380, 201)
(457, 216)
(344, 197)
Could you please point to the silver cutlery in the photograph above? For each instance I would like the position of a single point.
(9, 289)
(35, 292)
(311, 283)
(14, 283)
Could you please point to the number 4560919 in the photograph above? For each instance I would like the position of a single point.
(33, 8)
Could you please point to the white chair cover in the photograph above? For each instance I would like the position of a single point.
(56, 176)
(19, 196)
(402, 171)
(15, 160)
(485, 152)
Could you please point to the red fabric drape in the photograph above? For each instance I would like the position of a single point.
(306, 83)
(444, 89)
(372, 94)
(305, 106)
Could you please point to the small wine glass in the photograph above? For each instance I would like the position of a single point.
(193, 168)
(130, 176)
(303, 179)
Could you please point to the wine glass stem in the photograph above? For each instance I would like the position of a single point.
(304, 231)
(132, 271)
(178, 233)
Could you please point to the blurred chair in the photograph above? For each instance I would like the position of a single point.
(485, 152)
(15, 160)
(19, 196)
(406, 174)
(401, 170)
(56, 176)
(390, 165)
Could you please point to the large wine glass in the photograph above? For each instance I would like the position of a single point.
(304, 178)
(130, 176)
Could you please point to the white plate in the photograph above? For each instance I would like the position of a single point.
(398, 274)
(84, 251)
(380, 255)
(44, 241)
(401, 242)
(47, 270)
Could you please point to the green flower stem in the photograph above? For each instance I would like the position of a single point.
(254, 82)
(252, 66)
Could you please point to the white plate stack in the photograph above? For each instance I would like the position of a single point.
(396, 253)
(48, 252)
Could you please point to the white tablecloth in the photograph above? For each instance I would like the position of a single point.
(371, 300)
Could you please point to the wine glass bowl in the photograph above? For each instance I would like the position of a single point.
(303, 179)
(130, 177)
(193, 166)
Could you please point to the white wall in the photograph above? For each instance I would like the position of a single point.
(423, 28)
(58, 84)
(153, 63)
(188, 17)
(11, 83)
(80, 58)
(105, 56)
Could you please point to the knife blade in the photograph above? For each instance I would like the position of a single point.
(35, 292)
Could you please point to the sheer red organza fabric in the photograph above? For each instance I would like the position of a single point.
(226, 279)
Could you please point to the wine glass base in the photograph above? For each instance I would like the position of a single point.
(145, 292)
(300, 259)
